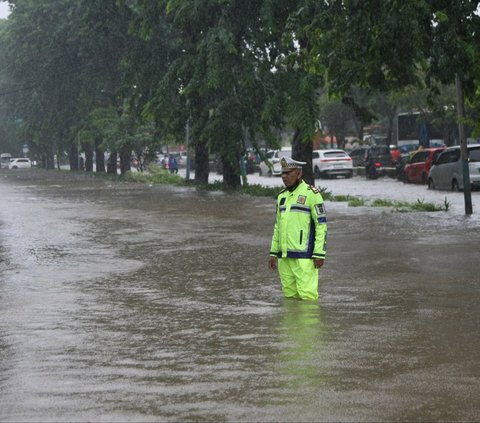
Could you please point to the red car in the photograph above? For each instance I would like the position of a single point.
(418, 166)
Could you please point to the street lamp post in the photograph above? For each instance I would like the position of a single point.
(187, 142)
(463, 146)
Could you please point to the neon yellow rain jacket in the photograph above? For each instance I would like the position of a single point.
(301, 225)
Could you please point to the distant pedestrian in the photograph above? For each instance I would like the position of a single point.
(299, 236)
(164, 161)
(172, 164)
(395, 154)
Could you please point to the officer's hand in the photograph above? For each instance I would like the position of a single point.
(272, 263)
(318, 262)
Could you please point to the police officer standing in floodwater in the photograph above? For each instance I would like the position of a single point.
(299, 236)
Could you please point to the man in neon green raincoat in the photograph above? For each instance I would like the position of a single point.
(299, 237)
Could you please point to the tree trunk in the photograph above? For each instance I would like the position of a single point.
(88, 157)
(50, 160)
(99, 157)
(302, 151)
(112, 163)
(125, 155)
(72, 157)
(201, 165)
(231, 172)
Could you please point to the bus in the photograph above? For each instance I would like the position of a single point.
(417, 128)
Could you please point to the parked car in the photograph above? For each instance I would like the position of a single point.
(5, 159)
(412, 147)
(408, 148)
(447, 172)
(273, 168)
(417, 167)
(327, 163)
(20, 163)
(358, 156)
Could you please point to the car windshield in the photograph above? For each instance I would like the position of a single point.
(284, 153)
(474, 154)
(358, 152)
(382, 150)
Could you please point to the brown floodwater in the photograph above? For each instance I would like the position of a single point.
(130, 302)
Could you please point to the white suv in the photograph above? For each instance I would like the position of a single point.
(20, 163)
(327, 163)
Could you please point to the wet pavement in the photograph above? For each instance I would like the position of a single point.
(129, 302)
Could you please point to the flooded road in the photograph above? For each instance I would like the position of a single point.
(126, 302)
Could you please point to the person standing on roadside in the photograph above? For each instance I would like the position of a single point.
(299, 236)
(172, 164)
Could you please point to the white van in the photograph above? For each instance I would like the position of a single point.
(447, 172)
(5, 159)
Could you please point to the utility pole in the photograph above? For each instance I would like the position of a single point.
(187, 142)
(243, 161)
(467, 192)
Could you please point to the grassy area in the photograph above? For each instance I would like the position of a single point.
(352, 201)
(404, 206)
(157, 175)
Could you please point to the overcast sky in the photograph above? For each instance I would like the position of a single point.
(3, 10)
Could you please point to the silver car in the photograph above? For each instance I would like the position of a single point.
(447, 173)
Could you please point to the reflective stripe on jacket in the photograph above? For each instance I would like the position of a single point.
(301, 225)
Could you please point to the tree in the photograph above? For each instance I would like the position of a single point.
(106, 42)
(455, 49)
(42, 59)
(216, 70)
(296, 89)
(336, 117)
(371, 44)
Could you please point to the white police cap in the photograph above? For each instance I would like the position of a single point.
(288, 163)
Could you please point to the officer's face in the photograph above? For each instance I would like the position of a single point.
(291, 177)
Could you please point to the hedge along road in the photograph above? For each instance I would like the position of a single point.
(129, 302)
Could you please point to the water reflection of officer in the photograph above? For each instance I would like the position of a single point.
(299, 235)
(302, 333)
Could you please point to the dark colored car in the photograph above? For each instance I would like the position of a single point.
(377, 160)
(417, 168)
(358, 156)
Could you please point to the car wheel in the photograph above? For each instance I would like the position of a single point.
(424, 179)
(455, 187)
(431, 184)
(269, 173)
(316, 173)
(349, 174)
